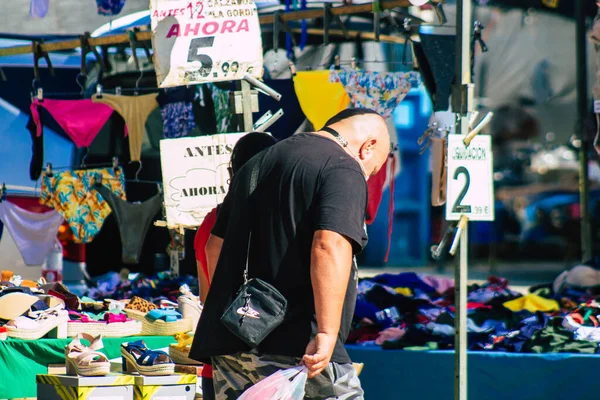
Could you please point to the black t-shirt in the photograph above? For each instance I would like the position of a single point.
(306, 183)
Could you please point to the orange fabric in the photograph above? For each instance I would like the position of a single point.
(6, 275)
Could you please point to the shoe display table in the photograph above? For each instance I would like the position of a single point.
(22, 360)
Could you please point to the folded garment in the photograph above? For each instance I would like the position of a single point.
(533, 303)
(390, 334)
(554, 338)
(165, 315)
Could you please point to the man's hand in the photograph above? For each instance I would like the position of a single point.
(318, 353)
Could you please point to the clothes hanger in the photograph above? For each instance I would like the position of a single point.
(82, 165)
(37, 90)
(137, 84)
(80, 75)
(3, 192)
(135, 180)
(138, 171)
(49, 169)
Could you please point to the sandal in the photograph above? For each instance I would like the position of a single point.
(39, 323)
(86, 361)
(180, 352)
(59, 290)
(189, 305)
(139, 358)
(138, 304)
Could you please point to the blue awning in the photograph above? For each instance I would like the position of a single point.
(15, 151)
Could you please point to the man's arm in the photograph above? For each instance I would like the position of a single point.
(330, 266)
(213, 250)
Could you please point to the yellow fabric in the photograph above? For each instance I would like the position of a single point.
(318, 98)
(533, 303)
(404, 291)
(135, 111)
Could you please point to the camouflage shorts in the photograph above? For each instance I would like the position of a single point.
(236, 373)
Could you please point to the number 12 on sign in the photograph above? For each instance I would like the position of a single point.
(470, 179)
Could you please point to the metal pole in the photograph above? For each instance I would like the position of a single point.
(582, 110)
(462, 102)
(247, 107)
(460, 318)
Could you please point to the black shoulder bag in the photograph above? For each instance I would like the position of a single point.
(258, 308)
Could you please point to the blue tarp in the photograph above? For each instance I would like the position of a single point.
(15, 147)
(401, 374)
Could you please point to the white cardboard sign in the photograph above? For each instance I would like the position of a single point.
(195, 176)
(470, 179)
(205, 41)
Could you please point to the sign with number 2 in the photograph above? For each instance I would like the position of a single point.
(205, 41)
(470, 179)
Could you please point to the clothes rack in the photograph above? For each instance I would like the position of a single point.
(140, 36)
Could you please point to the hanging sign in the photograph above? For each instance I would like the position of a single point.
(470, 179)
(195, 176)
(205, 41)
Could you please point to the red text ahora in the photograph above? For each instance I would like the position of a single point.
(209, 28)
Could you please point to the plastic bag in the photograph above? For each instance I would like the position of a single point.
(285, 384)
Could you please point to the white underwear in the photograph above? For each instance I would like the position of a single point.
(33, 233)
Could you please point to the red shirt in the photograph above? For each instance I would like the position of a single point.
(202, 237)
(200, 240)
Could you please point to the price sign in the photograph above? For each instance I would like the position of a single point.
(470, 181)
(205, 41)
(195, 175)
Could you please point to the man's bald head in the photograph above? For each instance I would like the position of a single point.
(367, 135)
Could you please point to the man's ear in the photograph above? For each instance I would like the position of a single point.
(367, 149)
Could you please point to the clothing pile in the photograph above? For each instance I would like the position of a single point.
(416, 312)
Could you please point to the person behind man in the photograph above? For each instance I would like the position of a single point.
(246, 148)
(307, 218)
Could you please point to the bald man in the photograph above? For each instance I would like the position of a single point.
(306, 217)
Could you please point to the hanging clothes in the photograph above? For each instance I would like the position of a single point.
(135, 111)
(377, 91)
(176, 111)
(319, 98)
(72, 194)
(110, 8)
(133, 220)
(220, 98)
(37, 147)
(81, 120)
(292, 116)
(33, 233)
(375, 184)
(38, 8)
(436, 55)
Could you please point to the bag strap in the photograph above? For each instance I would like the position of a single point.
(253, 183)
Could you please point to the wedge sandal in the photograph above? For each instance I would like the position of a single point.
(139, 358)
(86, 361)
(37, 324)
(189, 305)
(180, 352)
